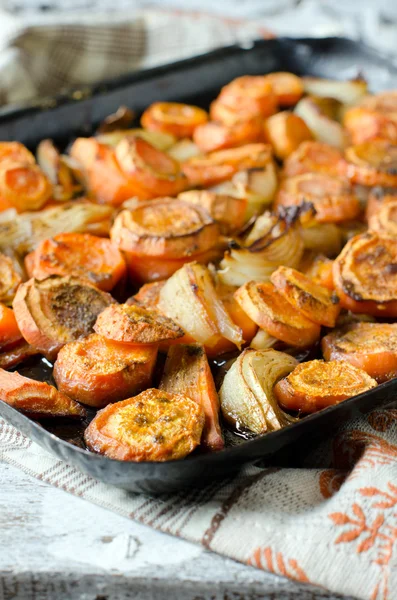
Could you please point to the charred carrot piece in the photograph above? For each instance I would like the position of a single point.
(180, 120)
(316, 384)
(36, 398)
(314, 301)
(368, 346)
(153, 426)
(136, 325)
(187, 371)
(78, 254)
(97, 371)
(273, 313)
(365, 276)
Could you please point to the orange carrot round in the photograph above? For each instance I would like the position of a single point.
(78, 254)
(180, 120)
(214, 135)
(314, 157)
(23, 186)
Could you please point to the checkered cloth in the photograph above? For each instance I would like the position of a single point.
(331, 523)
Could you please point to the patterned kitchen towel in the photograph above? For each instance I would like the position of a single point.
(41, 56)
(331, 527)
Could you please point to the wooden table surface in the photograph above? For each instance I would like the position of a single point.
(55, 546)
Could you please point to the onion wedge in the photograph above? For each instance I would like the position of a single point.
(316, 384)
(161, 141)
(58, 171)
(9, 279)
(57, 310)
(190, 299)
(347, 92)
(263, 340)
(246, 395)
(187, 372)
(323, 128)
(36, 398)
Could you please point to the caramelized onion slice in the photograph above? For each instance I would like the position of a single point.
(58, 171)
(365, 275)
(9, 279)
(246, 395)
(166, 227)
(23, 186)
(286, 131)
(57, 310)
(332, 198)
(36, 398)
(153, 426)
(316, 302)
(272, 242)
(190, 299)
(323, 128)
(160, 140)
(227, 210)
(368, 346)
(316, 384)
(348, 92)
(180, 120)
(97, 371)
(314, 157)
(223, 164)
(372, 163)
(136, 325)
(273, 313)
(187, 372)
(183, 150)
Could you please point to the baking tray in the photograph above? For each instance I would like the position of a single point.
(196, 80)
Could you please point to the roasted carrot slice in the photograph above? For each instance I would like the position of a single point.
(15, 152)
(365, 275)
(177, 119)
(214, 135)
(228, 211)
(9, 330)
(332, 198)
(376, 197)
(20, 351)
(9, 279)
(187, 372)
(78, 254)
(273, 313)
(372, 163)
(316, 384)
(287, 87)
(153, 426)
(320, 271)
(36, 398)
(158, 237)
(223, 164)
(103, 176)
(97, 371)
(148, 295)
(316, 302)
(136, 325)
(365, 124)
(286, 131)
(23, 186)
(249, 96)
(384, 221)
(368, 346)
(314, 157)
(57, 310)
(153, 172)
